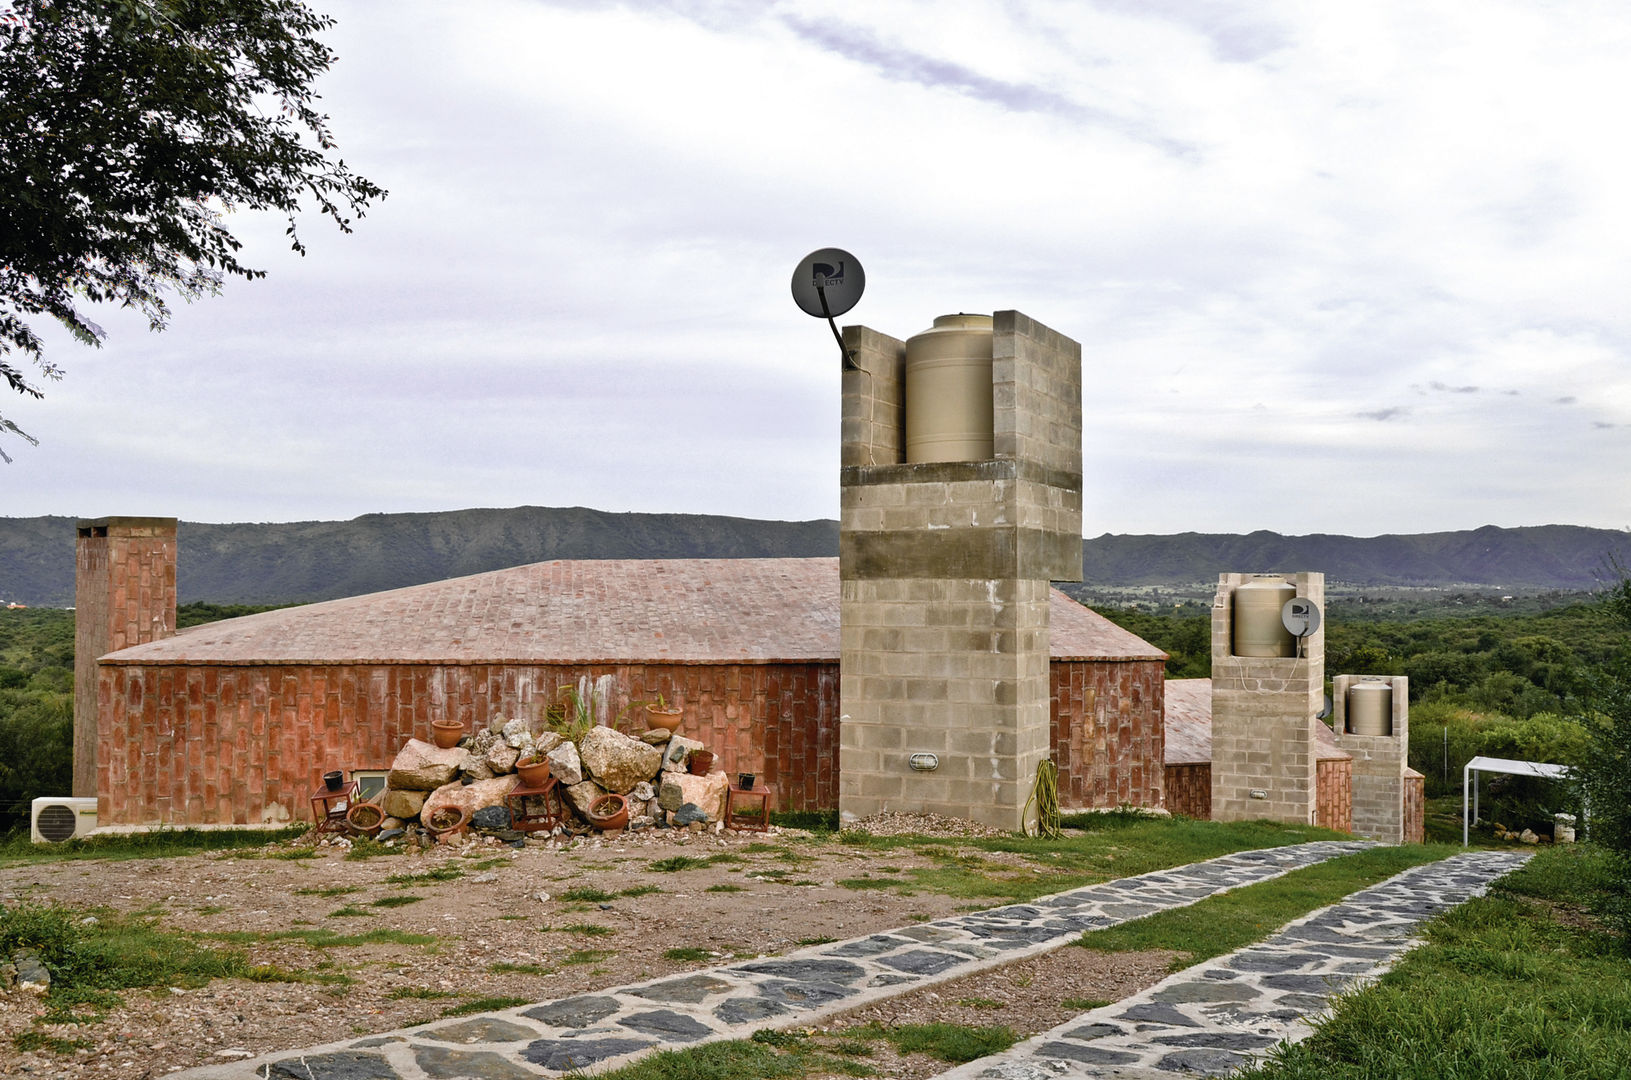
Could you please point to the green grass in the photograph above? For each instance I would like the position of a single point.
(1234, 919)
(947, 1042)
(395, 901)
(588, 929)
(691, 862)
(587, 956)
(486, 1004)
(439, 873)
(504, 967)
(588, 895)
(1105, 846)
(1521, 983)
(687, 954)
(293, 854)
(801, 942)
(641, 890)
(350, 911)
(334, 890)
(366, 847)
(1083, 1004)
(424, 993)
(724, 888)
(790, 1057)
(158, 844)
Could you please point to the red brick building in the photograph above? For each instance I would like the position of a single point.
(236, 721)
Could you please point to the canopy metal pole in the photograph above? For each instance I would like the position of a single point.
(1466, 771)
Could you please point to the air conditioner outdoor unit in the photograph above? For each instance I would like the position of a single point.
(55, 820)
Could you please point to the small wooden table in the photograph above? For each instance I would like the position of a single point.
(552, 811)
(329, 806)
(749, 818)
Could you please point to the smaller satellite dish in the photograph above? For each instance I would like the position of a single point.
(1300, 616)
(1326, 711)
(828, 282)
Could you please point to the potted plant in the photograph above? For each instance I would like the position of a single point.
(533, 769)
(701, 761)
(659, 714)
(609, 812)
(364, 818)
(445, 820)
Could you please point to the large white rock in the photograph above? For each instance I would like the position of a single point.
(468, 797)
(423, 766)
(616, 761)
(565, 765)
(581, 794)
(402, 804)
(517, 734)
(706, 793)
(501, 758)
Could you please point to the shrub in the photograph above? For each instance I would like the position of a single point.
(1606, 764)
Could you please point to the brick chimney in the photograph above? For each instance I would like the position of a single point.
(124, 595)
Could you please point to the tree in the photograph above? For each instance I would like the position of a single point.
(1606, 769)
(129, 130)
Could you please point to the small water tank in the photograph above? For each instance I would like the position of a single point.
(948, 391)
(1370, 708)
(1258, 629)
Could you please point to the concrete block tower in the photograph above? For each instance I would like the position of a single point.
(1377, 734)
(1264, 707)
(124, 595)
(945, 567)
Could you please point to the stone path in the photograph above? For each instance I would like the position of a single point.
(1217, 1016)
(731, 1001)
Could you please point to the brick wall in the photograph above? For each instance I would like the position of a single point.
(1334, 794)
(217, 744)
(204, 744)
(1107, 733)
(124, 595)
(1415, 807)
(1189, 790)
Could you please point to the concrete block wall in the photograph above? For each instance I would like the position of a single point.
(874, 418)
(1415, 807)
(229, 744)
(1379, 762)
(1107, 733)
(124, 595)
(1263, 712)
(945, 570)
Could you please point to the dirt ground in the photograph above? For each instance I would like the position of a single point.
(504, 928)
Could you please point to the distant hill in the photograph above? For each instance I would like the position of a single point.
(321, 560)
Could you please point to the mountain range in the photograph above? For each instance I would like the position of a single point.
(322, 560)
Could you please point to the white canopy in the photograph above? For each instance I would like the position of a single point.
(1542, 769)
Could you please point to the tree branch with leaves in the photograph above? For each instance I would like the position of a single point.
(130, 131)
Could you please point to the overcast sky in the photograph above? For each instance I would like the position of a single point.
(1347, 268)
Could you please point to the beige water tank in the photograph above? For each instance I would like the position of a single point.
(948, 391)
(1370, 708)
(1258, 629)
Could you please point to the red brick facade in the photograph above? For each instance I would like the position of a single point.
(1189, 790)
(225, 744)
(1106, 732)
(220, 744)
(124, 595)
(1334, 793)
(1415, 807)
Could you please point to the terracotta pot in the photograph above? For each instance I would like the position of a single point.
(445, 820)
(666, 719)
(610, 811)
(701, 762)
(447, 733)
(364, 818)
(534, 775)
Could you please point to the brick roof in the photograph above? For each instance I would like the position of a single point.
(680, 611)
(1188, 726)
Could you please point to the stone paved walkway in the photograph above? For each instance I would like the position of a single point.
(731, 1001)
(1216, 1016)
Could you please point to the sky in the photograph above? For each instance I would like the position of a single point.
(1339, 268)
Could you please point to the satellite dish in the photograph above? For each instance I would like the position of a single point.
(1326, 711)
(1300, 616)
(826, 284)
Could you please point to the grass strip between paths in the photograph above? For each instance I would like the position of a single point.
(1232, 920)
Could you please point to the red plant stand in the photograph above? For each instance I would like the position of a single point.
(328, 808)
(749, 818)
(552, 811)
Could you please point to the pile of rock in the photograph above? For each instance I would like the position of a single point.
(651, 772)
